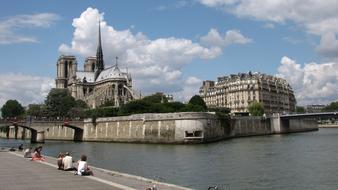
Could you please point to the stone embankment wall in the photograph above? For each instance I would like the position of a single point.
(250, 126)
(58, 132)
(185, 127)
(188, 127)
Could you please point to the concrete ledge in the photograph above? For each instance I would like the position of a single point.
(158, 117)
(328, 126)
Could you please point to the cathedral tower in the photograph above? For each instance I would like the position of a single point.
(66, 69)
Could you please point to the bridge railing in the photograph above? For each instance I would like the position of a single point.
(311, 114)
(39, 119)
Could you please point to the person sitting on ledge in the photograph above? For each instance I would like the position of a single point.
(67, 162)
(36, 156)
(59, 161)
(82, 168)
(20, 148)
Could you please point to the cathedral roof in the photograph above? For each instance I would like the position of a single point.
(81, 75)
(112, 73)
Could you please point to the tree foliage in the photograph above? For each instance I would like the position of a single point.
(333, 106)
(136, 106)
(35, 110)
(59, 102)
(156, 103)
(197, 103)
(80, 104)
(300, 109)
(256, 109)
(224, 111)
(12, 108)
(156, 98)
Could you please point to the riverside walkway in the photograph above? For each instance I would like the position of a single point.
(18, 173)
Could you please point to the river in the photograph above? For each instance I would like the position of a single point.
(293, 161)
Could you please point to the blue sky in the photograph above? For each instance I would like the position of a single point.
(172, 46)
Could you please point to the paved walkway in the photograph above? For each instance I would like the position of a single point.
(18, 173)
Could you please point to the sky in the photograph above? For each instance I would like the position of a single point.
(172, 46)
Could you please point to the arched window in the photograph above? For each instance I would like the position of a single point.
(66, 69)
(120, 90)
(112, 90)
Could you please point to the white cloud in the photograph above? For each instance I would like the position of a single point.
(191, 87)
(9, 27)
(176, 5)
(26, 89)
(328, 45)
(155, 64)
(217, 3)
(313, 83)
(315, 16)
(214, 38)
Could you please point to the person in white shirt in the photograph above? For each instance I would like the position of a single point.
(82, 168)
(28, 153)
(67, 162)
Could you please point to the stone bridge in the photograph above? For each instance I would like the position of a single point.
(320, 115)
(284, 123)
(39, 130)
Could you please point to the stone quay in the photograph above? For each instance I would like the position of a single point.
(170, 128)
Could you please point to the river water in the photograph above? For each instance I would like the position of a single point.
(293, 161)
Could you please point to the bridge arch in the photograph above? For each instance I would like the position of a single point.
(78, 132)
(36, 136)
(41, 128)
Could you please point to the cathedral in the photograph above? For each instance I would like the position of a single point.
(95, 84)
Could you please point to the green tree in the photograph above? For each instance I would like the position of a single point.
(256, 109)
(80, 104)
(35, 110)
(156, 98)
(223, 111)
(193, 108)
(59, 102)
(198, 101)
(300, 109)
(108, 103)
(333, 106)
(12, 108)
(175, 106)
(136, 106)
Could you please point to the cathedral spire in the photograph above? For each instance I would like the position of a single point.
(99, 55)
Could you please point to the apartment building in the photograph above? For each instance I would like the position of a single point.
(238, 91)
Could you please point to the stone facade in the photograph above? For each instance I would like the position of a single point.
(95, 84)
(237, 92)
